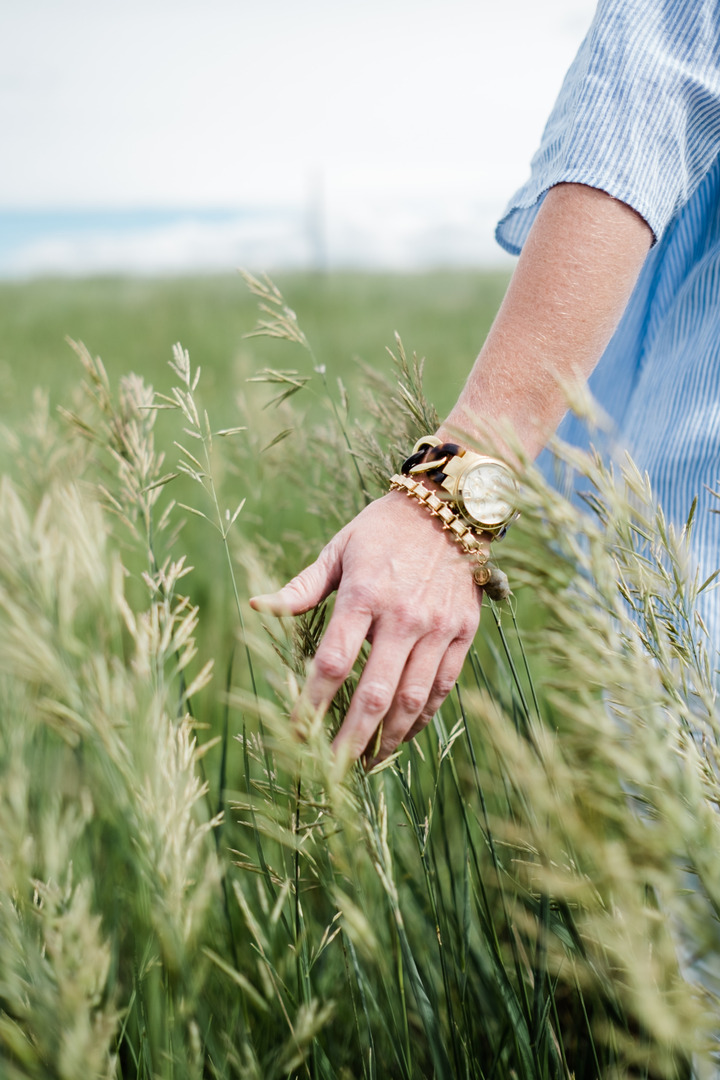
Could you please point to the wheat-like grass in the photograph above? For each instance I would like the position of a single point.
(530, 890)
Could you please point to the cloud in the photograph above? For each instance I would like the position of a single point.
(343, 228)
(192, 244)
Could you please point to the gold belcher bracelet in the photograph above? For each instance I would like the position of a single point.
(458, 530)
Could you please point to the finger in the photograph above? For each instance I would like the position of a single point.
(336, 653)
(374, 693)
(418, 681)
(309, 587)
(447, 675)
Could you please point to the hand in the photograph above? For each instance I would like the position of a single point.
(406, 588)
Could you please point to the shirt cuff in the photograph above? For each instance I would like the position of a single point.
(638, 115)
(512, 230)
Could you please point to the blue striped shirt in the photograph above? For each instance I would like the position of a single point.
(638, 116)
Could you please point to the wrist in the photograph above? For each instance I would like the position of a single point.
(479, 437)
(473, 546)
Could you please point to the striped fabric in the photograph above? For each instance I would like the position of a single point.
(639, 117)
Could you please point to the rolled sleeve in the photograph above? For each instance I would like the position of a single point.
(638, 115)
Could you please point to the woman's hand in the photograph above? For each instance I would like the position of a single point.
(407, 589)
(401, 584)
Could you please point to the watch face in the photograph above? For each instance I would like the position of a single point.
(488, 494)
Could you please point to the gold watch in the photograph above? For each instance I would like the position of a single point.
(482, 489)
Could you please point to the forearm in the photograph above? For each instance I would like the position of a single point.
(569, 290)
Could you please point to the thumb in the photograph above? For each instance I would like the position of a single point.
(310, 586)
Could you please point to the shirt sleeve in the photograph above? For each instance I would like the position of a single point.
(638, 115)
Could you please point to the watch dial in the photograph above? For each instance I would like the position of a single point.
(487, 493)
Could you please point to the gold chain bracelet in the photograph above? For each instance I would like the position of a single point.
(458, 530)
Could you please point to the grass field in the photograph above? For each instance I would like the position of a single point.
(188, 893)
(349, 319)
(132, 325)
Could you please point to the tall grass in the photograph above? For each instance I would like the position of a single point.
(531, 889)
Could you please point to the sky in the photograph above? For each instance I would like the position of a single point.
(307, 130)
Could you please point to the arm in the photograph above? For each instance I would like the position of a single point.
(403, 585)
(569, 290)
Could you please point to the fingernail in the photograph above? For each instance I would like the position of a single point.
(270, 604)
(342, 761)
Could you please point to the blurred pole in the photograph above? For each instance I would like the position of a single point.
(317, 221)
